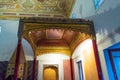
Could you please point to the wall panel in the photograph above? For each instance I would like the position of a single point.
(67, 70)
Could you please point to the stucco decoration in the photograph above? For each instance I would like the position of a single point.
(30, 8)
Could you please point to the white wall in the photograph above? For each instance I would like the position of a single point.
(106, 24)
(29, 54)
(108, 5)
(86, 8)
(83, 8)
(9, 38)
(84, 52)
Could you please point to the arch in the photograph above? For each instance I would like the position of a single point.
(84, 28)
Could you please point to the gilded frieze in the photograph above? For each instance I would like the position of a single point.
(36, 8)
(62, 50)
(75, 27)
(79, 38)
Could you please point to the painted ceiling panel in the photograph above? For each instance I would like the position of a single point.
(53, 37)
(40, 34)
(69, 36)
(52, 42)
(54, 34)
(36, 8)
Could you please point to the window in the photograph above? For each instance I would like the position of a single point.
(97, 3)
(112, 58)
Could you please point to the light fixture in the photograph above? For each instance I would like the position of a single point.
(30, 32)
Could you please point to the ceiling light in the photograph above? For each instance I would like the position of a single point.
(30, 32)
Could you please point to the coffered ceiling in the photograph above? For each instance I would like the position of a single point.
(47, 35)
(53, 37)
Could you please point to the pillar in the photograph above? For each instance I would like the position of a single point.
(72, 72)
(17, 61)
(34, 69)
(100, 76)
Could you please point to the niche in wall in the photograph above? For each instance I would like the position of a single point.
(50, 72)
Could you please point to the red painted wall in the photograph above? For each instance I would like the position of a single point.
(67, 70)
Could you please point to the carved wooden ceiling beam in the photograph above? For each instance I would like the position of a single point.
(79, 25)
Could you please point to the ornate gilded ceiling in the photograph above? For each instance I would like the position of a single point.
(35, 8)
(47, 35)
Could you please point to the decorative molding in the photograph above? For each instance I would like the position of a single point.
(27, 36)
(78, 27)
(45, 51)
(36, 7)
(81, 37)
(53, 47)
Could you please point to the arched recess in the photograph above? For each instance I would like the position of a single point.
(50, 72)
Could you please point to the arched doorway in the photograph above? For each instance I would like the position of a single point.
(50, 73)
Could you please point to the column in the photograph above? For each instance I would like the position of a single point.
(72, 72)
(17, 61)
(34, 69)
(97, 60)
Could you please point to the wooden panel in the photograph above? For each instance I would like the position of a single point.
(67, 70)
(90, 70)
(50, 74)
(30, 70)
(3, 69)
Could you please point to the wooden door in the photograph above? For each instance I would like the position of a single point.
(114, 55)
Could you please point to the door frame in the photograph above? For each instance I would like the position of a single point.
(80, 67)
(112, 62)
